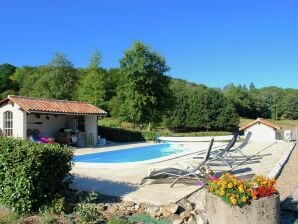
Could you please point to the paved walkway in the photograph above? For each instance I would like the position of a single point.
(287, 182)
(123, 180)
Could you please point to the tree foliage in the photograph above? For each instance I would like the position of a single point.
(144, 87)
(140, 92)
(6, 84)
(96, 86)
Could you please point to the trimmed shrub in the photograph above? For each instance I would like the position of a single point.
(32, 175)
(124, 135)
(120, 135)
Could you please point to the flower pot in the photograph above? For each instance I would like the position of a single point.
(264, 210)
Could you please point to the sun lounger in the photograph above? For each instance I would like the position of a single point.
(241, 146)
(179, 174)
(222, 154)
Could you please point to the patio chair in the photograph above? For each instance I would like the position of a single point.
(194, 173)
(241, 146)
(223, 154)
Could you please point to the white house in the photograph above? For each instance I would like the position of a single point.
(261, 131)
(20, 115)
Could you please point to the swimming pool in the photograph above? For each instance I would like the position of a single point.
(135, 154)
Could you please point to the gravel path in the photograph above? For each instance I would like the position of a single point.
(287, 182)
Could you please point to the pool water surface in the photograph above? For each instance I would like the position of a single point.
(131, 154)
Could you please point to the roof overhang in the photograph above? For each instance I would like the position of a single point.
(66, 113)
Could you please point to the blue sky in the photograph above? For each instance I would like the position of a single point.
(211, 42)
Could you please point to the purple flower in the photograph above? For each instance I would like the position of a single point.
(214, 178)
(200, 183)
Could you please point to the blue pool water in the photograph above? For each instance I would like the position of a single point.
(131, 154)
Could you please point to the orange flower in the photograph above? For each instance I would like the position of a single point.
(244, 199)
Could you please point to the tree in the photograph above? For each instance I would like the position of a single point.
(59, 80)
(289, 106)
(144, 89)
(252, 86)
(240, 98)
(96, 86)
(6, 84)
(175, 118)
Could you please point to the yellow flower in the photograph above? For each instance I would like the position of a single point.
(230, 185)
(241, 189)
(234, 201)
(222, 193)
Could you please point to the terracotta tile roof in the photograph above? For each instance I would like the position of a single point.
(29, 104)
(259, 120)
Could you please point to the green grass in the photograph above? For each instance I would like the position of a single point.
(115, 123)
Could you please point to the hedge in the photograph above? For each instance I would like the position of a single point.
(123, 135)
(32, 175)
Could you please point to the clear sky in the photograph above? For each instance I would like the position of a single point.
(211, 42)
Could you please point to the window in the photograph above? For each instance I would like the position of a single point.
(8, 123)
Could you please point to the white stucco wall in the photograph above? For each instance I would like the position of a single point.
(19, 119)
(261, 133)
(49, 127)
(91, 127)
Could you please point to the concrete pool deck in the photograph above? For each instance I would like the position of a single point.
(123, 180)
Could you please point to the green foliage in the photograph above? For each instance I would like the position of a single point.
(6, 70)
(117, 220)
(96, 85)
(57, 80)
(60, 80)
(198, 108)
(120, 135)
(144, 89)
(57, 206)
(32, 175)
(143, 218)
(88, 212)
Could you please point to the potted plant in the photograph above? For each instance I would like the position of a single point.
(231, 200)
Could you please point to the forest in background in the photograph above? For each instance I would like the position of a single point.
(140, 92)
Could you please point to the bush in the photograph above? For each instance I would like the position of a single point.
(88, 212)
(123, 135)
(32, 175)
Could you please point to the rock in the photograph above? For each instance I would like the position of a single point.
(128, 203)
(201, 220)
(174, 217)
(136, 207)
(178, 221)
(165, 212)
(107, 215)
(141, 209)
(185, 215)
(199, 199)
(188, 206)
(191, 220)
(172, 207)
(152, 210)
(112, 209)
